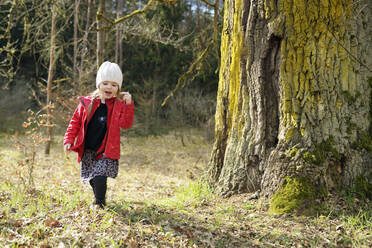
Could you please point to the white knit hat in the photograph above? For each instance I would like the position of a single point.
(109, 72)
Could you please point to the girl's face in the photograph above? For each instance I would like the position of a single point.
(108, 89)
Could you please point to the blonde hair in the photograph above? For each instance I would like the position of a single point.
(95, 94)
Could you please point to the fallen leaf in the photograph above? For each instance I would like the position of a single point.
(45, 246)
(177, 228)
(133, 243)
(16, 223)
(52, 223)
(340, 229)
(189, 233)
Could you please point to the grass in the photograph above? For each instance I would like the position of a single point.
(157, 200)
(192, 195)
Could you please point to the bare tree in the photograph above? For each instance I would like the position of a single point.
(50, 79)
(119, 34)
(84, 48)
(100, 32)
(76, 24)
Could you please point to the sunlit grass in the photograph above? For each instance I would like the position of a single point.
(191, 195)
(361, 220)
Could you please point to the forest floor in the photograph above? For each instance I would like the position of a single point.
(156, 201)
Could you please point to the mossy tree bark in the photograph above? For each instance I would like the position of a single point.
(294, 96)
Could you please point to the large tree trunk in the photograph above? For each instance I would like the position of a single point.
(294, 99)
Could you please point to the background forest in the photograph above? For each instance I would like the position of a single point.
(154, 49)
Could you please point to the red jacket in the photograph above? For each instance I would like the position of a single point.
(121, 116)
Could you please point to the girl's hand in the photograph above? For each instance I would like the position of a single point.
(67, 147)
(126, 96)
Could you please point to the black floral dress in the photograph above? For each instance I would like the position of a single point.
(90, 167)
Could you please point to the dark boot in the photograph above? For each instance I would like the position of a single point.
(91, 182)
(100, 188)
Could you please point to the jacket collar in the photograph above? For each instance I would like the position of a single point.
(107, 101)
(86, 100)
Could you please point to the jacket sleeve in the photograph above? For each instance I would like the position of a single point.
(74, 126)
(126, 115)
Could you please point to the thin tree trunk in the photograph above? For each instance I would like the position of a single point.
(198, 16)
(119, 34)
(50, 79)
(76, 24)
(292, 102)
(100, 32)
(84, 49)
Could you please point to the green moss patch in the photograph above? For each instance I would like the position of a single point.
(293, 152)
(362, 187)
(310, 158)
(364, 142)
(294, 194)
(322, 152)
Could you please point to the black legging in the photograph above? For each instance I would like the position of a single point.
(99, 186)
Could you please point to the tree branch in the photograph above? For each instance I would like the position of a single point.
(182, 79)
(209, 3)
(215, 34)
(122, 19)
(34, 94)
(100, 15)
(136, 12)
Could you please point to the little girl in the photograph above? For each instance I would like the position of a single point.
(96, 127)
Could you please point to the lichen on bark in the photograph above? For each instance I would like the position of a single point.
(323, 110)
